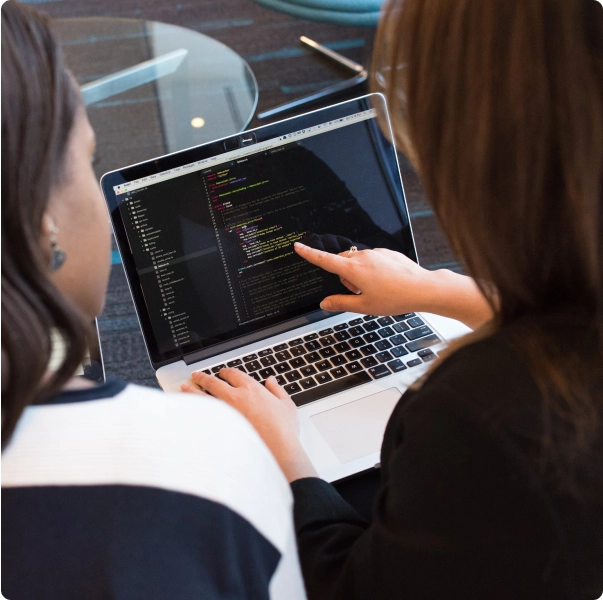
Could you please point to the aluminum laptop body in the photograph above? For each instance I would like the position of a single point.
(206, 238)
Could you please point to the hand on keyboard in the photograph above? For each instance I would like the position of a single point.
(268, 408)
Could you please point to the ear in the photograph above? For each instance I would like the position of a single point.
(47, 226)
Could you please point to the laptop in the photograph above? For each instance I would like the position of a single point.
(206, 238)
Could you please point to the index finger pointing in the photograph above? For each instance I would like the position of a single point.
(333, 263)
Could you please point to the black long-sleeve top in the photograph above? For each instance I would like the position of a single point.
(466, 509)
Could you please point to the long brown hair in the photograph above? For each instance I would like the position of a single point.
(39, 104)
(500, 106)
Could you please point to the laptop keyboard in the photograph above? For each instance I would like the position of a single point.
(332, 360)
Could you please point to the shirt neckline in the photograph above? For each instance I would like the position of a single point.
(109, 389)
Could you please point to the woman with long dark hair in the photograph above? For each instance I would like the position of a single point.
(110, 491)
(492, 466)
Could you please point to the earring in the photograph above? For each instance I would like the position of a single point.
(58, 255)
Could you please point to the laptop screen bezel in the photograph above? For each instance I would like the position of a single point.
(190, 155)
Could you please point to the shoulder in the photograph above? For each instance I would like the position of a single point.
(136, 436)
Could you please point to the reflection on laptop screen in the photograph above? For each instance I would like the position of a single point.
(213, 241)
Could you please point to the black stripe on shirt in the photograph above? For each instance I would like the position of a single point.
(118, 541)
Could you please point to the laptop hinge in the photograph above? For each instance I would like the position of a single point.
(239, 342)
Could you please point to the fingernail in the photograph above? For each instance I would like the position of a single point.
(325, 305)
(298, 245)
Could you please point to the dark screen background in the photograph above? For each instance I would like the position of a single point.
(214, 248)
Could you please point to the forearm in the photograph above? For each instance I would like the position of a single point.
(457, 297)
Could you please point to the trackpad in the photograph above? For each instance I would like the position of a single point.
(356, 429)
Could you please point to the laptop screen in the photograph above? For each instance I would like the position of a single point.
(211, 241)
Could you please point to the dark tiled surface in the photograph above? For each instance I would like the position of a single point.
(269, 42)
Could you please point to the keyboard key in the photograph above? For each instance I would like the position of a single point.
(308, 383)
(292, 388)
(413, 334)
(367, 350)
(354, 331)
(327, 352)
(415, 322)
(379, 371)
(313, 357)
(338, 372)
(298, 350)
(384, 357)
(338, 360)
(404, 316)
(353, 367)
(382, 345)
(355, 322)
(369, 361)
(340, 336)
(310, 337)
(400, 327)
(253, 365)
(241, 368)
(265, 352)
(313, 345)
(427, 355)
(280, 347)
(356, 342)
(371, 337)
(396, 365)
(296, 363)
(414, 362)
(255, 376)
(340, 326)
(207, 371)
(371, 326)
(369, 317)
(268, 361)
(323, 365)
(425, 342)
(342, 347)
(386, 332)
(332, 387)
(383, 321)
(281, 380)
(293, 376)
(323, 378)
(307, 370)
(250, 357)
(399, 351)
(295, 342)
(282, 367)
(217, 368)
(328, 340)
(325, 331)
(353, 355)
(234, 363)
(396, 340)
(265, 373)
(284, 355)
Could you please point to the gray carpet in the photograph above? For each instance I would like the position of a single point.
(284, 70)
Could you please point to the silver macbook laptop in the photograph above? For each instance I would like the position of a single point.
(206, 237)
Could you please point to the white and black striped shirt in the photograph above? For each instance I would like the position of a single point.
(126, 492)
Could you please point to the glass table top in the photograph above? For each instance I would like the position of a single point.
(152, 88)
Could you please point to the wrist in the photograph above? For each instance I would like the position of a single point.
(293, 460)
(456, 296)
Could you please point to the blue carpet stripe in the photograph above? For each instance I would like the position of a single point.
(421, 213)
(294, 52)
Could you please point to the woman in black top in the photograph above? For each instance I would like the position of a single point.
(492, 466)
